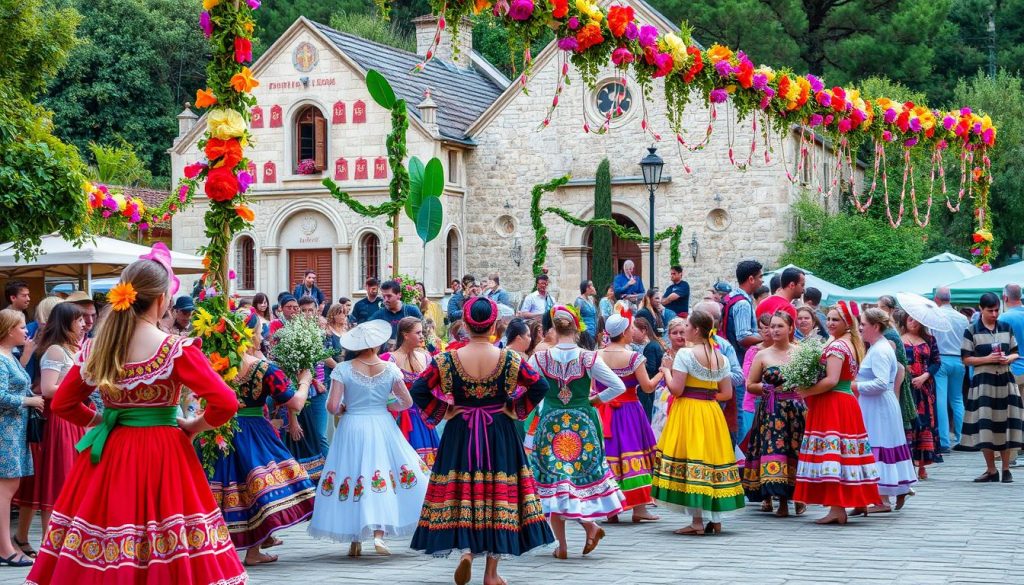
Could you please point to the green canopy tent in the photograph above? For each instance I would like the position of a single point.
(810, 280)
(922, 279)
(969, 290)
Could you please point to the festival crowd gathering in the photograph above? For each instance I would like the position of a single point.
(477, 426)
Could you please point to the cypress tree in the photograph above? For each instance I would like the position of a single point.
(601, 269)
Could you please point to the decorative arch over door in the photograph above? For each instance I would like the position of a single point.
(622, 250)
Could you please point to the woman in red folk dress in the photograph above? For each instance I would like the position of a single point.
(836, 467)
(137, 508)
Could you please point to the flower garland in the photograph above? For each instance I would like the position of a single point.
(114, 207)
(593, 37)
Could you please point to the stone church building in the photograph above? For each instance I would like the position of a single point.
(313, 108)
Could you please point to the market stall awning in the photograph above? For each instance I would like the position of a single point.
(922, 279)
(810, 280)
(969, 290)
(96, 258)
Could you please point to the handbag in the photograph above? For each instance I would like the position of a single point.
(35, 426)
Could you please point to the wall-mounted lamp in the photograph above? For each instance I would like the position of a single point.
(694, 247)
(305, 82)
(516, 253)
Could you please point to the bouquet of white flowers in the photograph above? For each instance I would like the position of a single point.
(804, 368)
(300, 346)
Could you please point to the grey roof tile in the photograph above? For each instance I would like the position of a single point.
(461, 94)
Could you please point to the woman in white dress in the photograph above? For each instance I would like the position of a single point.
(373, 482)
(877, 379)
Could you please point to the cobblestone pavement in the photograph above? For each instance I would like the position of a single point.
(952, 531)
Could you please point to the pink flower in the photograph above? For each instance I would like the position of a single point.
(965, 111)
(231, 275)
(244, 181)
(500, 8)
(816, 84)
(521, 10)
(632, 32)
(915, 124)
(192, 170)
(823, 98)
(183, 193)
(910, 142)
(986, 267)
(648, 36)
(815, 120)
(574, 23)
(989, 136)
(890, 116)
(760, 81)
(663, 62)
(254, 4)
(845, 125)
(719, 95)
(622, 56)
(144, 226)
(887, 136)
(568, 44)
(948, 122)
(724, 68)
(206, 24)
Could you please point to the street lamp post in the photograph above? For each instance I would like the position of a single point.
(651, 166)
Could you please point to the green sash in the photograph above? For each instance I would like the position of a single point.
(844, 386)
(164, 416)
(251, 411)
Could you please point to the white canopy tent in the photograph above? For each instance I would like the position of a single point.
(922, 279)
(810, 280)
(96, 258)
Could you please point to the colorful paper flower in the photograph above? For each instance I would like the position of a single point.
(619, 18)
(719, 53)
(245, 213)
(205, 98)
(588, 36)
(226, 153)
(243, 50)
(561, 9)
(225, 123)
(221, 184)
(206, 24)
(521, 10)
(210, 4)
(244, 82)
(218, 362)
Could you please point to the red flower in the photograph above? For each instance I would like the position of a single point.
(783, 87)
(561, 9)
(193, 170)
(745, 75)
(243, 50)
(698, 64)
(588, 36)
(618, 18)
(663, 62)
(229, 151)
(221, 184)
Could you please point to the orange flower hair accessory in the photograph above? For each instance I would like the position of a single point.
(122, 296)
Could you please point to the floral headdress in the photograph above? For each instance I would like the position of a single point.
(570, 312)
(850, 311)
(122, 296)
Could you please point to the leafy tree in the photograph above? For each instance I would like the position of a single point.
(40, 176)
(139, 62)
(850, 249)
(374, 28)
(602, 244)
(118, 165)
(841, 39)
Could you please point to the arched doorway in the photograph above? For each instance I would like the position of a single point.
(622, 250)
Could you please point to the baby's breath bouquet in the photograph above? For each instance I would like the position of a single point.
(804, 368)
(300, 346)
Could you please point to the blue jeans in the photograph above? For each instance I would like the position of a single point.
(739, 392)
(949, 396)
(318, 413)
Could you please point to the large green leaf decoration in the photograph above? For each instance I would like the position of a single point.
(433, 179)
(429, 218)
(380, 90)
(415, 193)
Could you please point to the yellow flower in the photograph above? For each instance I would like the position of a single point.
(767, 72)
(671, 43)
(208, 4)
(231, 374)
(121, 296)
(202, 323)
(590, 10)
(249, 26)
(225, 124)
(121, 202)
(719, 53)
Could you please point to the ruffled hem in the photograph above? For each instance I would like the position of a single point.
(609, 502)
(365, 533)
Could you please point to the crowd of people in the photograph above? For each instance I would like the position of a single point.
(473, 426)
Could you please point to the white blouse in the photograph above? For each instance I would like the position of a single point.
(878, 371)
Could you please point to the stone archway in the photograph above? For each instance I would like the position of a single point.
(622, 250)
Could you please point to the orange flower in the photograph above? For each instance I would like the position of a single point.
(588, 36)
(218, 362)
(221, 326)
(977, 173)
(205, 98)
(228, 151)
(121, 296)
(206, 262)
(245, 213)
(619, 18)
(244, 82)
(719, 53)
(480, 5)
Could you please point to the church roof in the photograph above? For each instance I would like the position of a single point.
(461, 94)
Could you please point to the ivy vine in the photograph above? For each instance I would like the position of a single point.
(540, 248)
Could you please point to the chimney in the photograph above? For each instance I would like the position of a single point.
(428, 114)
(186, 120)
(426, 30)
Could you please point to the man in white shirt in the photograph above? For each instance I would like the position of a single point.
(949, 382)
(538, 302)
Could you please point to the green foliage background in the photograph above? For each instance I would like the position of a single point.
(602, 271)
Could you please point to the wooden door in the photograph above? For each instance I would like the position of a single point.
(319, 260)
(622, 250)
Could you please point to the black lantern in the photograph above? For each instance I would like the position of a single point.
(694, 248)
(651, 166)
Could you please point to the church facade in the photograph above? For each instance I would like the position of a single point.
(315, 119)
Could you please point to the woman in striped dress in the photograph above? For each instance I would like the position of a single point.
(994, 415)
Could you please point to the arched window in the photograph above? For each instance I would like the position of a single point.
(452, 261)
(310, 141)
(369, 257)
(245, 263)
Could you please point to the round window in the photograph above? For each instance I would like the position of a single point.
(614, 98)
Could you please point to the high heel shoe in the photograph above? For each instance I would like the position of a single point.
(713, 528)
(380, 547)
(355, 549)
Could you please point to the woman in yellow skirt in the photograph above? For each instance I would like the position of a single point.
(696, 468)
